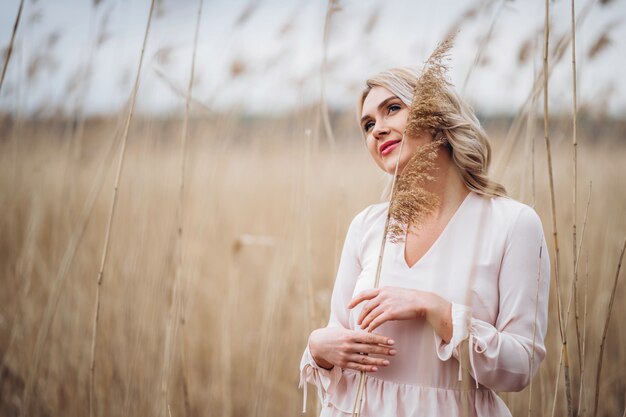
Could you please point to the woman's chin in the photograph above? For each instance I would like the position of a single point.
(390, 167)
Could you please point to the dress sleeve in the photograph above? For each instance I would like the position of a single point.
(349, 269)
(504, 357)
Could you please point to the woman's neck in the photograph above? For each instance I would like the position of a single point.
(447, 184)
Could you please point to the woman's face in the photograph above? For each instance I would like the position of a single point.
(383, 119)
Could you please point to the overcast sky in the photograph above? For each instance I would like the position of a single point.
(265, 56)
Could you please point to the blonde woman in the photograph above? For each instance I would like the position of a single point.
(461, 309)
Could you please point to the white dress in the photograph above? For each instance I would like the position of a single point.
(491, 263)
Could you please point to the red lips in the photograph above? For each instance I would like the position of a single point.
(385, 145)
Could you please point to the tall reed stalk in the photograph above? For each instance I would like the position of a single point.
(107, 236)
(330, 10)
(176, 306)
(546, 131)
(581, 394)
(507, 148)
(7, 58)
(532, 355)
(576, 264)
(482, 46)
(575, 175)
(606, 330)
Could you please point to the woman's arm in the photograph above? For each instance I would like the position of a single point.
(341, 344)
(506, 355)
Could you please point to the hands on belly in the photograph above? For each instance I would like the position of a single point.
(397, 303)
(337, 346)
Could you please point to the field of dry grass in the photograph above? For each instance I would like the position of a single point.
(267, 203)
(214, 324)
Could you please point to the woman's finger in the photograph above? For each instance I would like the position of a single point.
(371, 316)
(368, 360)
(364, 295)
(373, 349)
(368, 307)
(361, 367)
(372, 339)
(386, 316)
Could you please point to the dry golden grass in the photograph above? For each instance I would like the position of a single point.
(251, 302)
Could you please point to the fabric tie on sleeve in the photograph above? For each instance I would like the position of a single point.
(478, 345)
(325, 380)
(303, 385)
(462, 330)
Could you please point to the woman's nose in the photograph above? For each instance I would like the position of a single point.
(380, 131)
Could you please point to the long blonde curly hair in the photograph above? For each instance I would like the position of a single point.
(468, 143)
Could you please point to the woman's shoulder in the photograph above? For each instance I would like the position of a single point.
(371, 213)
(513, 213)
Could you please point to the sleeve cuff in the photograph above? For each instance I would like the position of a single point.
(325, 379)
(461, 321)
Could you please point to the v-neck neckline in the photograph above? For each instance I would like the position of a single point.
(439, 238)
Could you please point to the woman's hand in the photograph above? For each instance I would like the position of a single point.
(336, 346)
(395, 303)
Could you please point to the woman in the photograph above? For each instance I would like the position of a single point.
(465, 293)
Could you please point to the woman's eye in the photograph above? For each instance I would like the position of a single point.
(394, 107)
(368, 126)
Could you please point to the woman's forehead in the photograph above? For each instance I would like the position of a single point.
(375, 96)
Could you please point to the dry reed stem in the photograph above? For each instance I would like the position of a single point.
(179, 91)
(577, 258)
(576, 263)
(532, 355)
(509, 142)
(529, 139)
(546, 117)
(330, 10)
(556, 383)
(482, 46)
(64, 268)
(606, 329)
(11, 43)
(310, 310)
(532, 137)
(426, 112)
(177, 297)
(581, 393)
(107, 236)
(574, 174)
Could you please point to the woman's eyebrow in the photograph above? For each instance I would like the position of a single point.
(380, 106)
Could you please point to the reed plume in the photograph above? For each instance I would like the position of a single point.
(430, 105)
(427, 113)
(412, 202)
